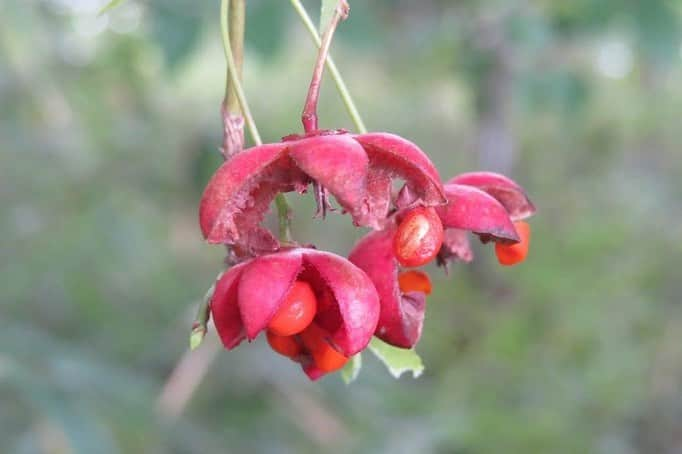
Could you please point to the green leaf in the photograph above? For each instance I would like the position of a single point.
(326, 12)
(109, 6)
(197, 337)
(397, 360)
(352, 369)
(199, 326)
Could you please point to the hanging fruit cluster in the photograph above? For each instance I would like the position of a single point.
(319, 308)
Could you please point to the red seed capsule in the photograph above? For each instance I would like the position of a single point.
(414, 281)
(284, 345)
(296, 312)
(511, 254)
(419, 237)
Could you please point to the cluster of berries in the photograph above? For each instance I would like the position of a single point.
(319, 308)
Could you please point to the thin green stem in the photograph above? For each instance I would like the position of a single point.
(232, 74)
(333, 70)
(283, 208)
(231, 112)
(236, 24)
(284, 216)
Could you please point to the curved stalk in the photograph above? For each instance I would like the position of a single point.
(333, 70)
(309, 116)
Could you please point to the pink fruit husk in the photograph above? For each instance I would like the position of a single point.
(239, 193)
(509, 193)
(248, 295)
(391, 156)
(402, 315)
(485, 203)
(471, 209)
(357, 170)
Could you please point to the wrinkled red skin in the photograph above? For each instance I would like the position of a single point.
(402, 314)
(356, 169)
(247, 296)
(239, 193)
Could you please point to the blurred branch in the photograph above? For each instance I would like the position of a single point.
(186, 377)
(313, 418)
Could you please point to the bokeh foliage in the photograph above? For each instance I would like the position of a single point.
(109, 129)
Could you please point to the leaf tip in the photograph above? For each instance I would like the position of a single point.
(351, 370)
(197, 337)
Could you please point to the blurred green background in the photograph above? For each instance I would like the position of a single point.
(110, 127)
